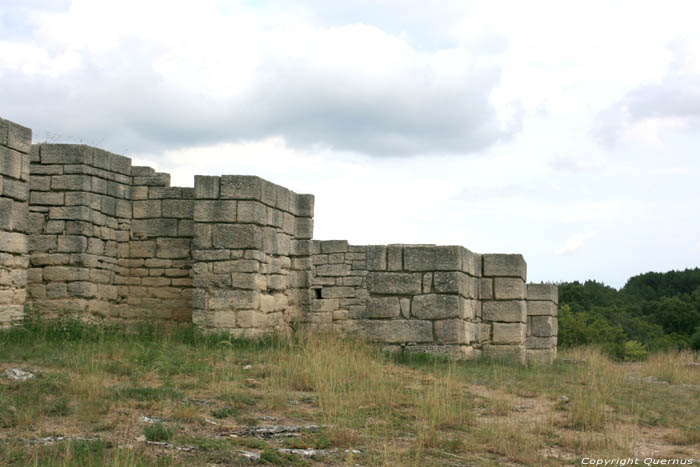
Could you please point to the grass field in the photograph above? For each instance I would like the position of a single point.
(173, 396)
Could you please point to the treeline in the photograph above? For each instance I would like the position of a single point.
(653, 311)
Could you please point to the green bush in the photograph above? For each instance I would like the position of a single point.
(634, 352)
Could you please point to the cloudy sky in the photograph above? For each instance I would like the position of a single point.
(566, 131)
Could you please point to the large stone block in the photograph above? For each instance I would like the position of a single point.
(454, 331)
(455, 282)
(241, 187)
(305, 205)
(147, 208)
(398, 331)
(543, 292)
(334, 246)
(394, 283)
(206, 187)
(543, 326)
(394, 257)
(12, 242)
(142, 249)
(537, 308)
(154, 227)
(380, 307)
(432, 258)
(234, 299)
(534, 342)
(178, 208)
(15, 189)
(66, 274)
(10, 163)
(252, 212)
(434, 306)
(237, 236)
(251, 319)
(72, 244)
(304, 228)
(333, 269)
(173, 248)
(513, 311)
(338, 292)
(509, 333)
(509, 288)
(215, 211)
(376, 258)
(503, 265)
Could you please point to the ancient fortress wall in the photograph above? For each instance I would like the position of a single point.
(83, 231)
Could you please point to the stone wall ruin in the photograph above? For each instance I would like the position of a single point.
(83, 231)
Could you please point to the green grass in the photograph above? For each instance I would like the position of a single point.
(99, 381)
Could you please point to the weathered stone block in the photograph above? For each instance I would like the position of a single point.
(72, 244)
(543, 326)
(381, 307)
(376, 258)
(15, 189)
(514, 311)
(71, 182)
(537, 308)
(455, 282)
(338, 292)
(504, 265)
(509, 333)
(252, 212)
(10, 163)
(178, 208)
(432, 258)
(241, 187)
(398, 331)
(394, 258)
(65, 274)
(142, 249)
(147, 208)
(246, 280)
(237, 236)
(394, 283)
(173, 248)
(507, 288)
(534, 342)
(454, 331)
(154, 227)
(320, 305)
(234, 300)
(12, 242)
(543, 292)
(305, 205)
(334, 246)
(215, 211)
(236, 265)
(206, 187)
(486, 289)
(433, 306)
(304, 228)
(333, 269)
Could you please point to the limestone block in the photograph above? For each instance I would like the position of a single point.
(217, 281)
(338, 292)
(251, 319)
(396, 331)
(170, 192)
(333, 269)
(236, 265)
(10, 163)
(543, 326)
(159, 179)
(534, 342)
(305, 205)
(277, 282)
(394, 283)
(142, 249)
(427, 282)
(71, 182)
(72, 244)
(510, 353)
(185, 228)
(66, 274)
(334, 246)
(147, 208)
(206, 187)
(82, 289)
(289, 223)
(39, 183)
(301, 247)
(142, 171)
(507, 288)
(215, 211)
(455, 282)
(15, 189)
(98, 185)
(509, 333)
(283, 199)
(432, 258)
(486, 289)
(433, 306)
(405, 304)
(503, 265)
(513, 311)
(543, 292)
(12, 242)
(537, 308)
(304, 228)
(250, 281)
(178, 208)
(66, 154)
(73, 213)
(484, 332)
(236, 236)
(454, 331)
(394, 258)
(172, 248)
(252, 212)
(241, 187)
(380, 307)
(376, 258)
(457, 352)
(123, 209)
(210, 255)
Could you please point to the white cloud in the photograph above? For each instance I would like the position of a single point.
(575, 243)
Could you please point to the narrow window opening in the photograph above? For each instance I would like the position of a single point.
(317, 293)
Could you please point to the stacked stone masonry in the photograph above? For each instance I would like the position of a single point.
(82, 231)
